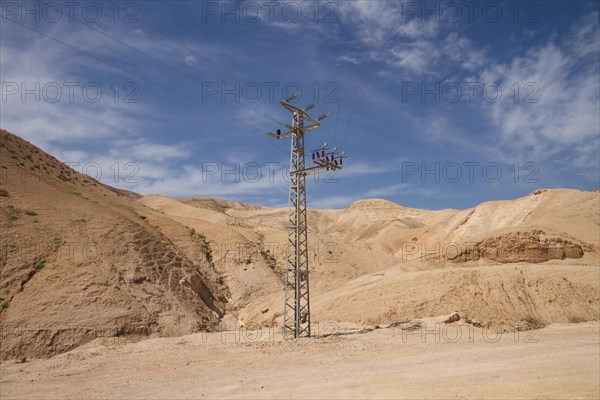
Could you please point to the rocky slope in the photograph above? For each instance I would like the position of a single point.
(80, 261)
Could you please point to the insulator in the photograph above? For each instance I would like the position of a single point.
(278, 132)
(313, 156)
(290, 98)
(322, 153)
(341, 163)
(335, 161)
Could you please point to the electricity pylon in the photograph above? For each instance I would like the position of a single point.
(296, 309)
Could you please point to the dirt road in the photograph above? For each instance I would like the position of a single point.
(431, 361)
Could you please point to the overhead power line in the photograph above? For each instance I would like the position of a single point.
(158, 85)
(150, 57)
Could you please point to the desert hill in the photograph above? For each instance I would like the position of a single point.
(81, 260)
(525, 263)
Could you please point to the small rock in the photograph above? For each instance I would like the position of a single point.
(137, 279)
(21, 360)
(452, 318)
(264, 310)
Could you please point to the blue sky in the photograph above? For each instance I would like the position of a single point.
(438, 104)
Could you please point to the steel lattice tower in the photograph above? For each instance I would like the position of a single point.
(296, 310)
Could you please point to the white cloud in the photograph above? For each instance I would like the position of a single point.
(461, 50)
(351, 59)
(156, 152)
(142, 150)
(583, 39)
(193, 181)
(86, 107)
(417, 56)
(377, 22)
(374, 21)
(414, 45)
(418, 28)
(191, 60)
(354, 168)
(558, 100)
(109, 132)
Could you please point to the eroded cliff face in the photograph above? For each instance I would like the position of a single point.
(528, 246)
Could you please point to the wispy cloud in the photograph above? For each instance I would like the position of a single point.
(396, 38)
(554, 100)
(373, 49)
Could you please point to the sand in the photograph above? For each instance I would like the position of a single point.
(559, 361)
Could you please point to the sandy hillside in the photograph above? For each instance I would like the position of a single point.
(522, 263)
(81, 260)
